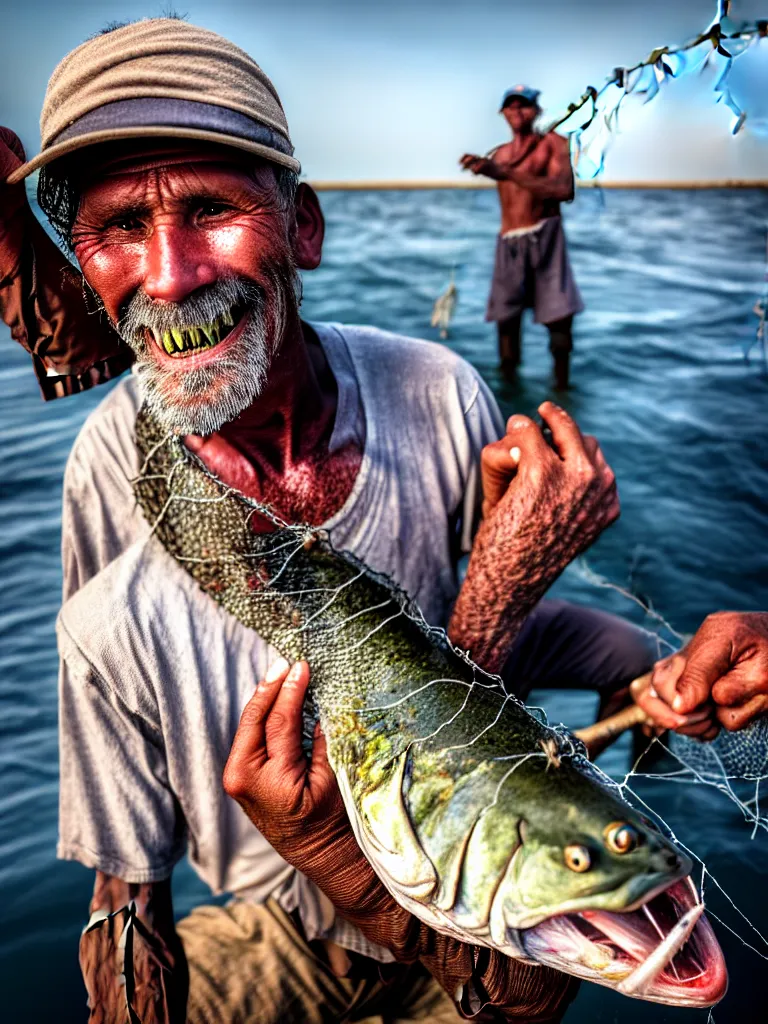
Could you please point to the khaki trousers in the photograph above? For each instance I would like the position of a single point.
(250, 964)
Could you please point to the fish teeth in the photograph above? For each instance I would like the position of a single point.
(208, 332)
(643, 976)
(168, 345)
(178, 337)
(227, 318)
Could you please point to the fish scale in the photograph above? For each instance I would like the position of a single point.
(462, 799)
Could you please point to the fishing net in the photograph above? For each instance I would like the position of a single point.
(740, 755)
(731, 756)
(302, 596)
(716, 48)
(207, 527)
(592, 122)
(734, 765)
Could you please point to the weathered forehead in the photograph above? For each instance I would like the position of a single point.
(174, 171)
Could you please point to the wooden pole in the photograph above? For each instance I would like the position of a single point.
(611, 728)
(602, 734)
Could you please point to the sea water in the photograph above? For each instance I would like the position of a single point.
(669, 280)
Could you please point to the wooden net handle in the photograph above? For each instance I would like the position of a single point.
(611, 728)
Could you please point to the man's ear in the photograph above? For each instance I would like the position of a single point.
(310, 228)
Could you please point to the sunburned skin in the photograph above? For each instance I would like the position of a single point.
(535, 156)
(158, 975)
(303, 482)
(167, 225)
(533, 171)
(171, 224)
(541, 509)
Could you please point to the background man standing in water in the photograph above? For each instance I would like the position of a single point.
(531, 270)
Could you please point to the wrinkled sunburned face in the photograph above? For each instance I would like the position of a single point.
(191, 251)
(520, 114)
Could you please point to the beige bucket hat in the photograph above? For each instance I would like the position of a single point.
(161, 78)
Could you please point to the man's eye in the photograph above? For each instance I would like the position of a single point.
(212, 209)
(126, 223)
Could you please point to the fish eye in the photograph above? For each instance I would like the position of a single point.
(577, 858)
(621, 837)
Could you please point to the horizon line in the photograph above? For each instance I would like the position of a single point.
(364, 185)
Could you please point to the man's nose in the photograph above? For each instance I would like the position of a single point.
(175, 265)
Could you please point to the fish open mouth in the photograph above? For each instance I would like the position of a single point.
(180, 342)
(664, 950)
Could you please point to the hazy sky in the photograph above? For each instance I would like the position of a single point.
(397, 89)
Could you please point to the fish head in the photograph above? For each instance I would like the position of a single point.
(596, 890)
(597, 855)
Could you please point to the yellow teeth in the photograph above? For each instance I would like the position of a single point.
(188, 339)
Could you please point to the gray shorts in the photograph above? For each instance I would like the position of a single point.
(532, 271)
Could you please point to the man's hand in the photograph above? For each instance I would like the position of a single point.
(479, 165)
(11, 154)
(42, 295)
(655, 696)
(154, 981)
(13, 201)
(541, 508)
(297, 807)
(720, 678)
(574, 476)
(299, 811)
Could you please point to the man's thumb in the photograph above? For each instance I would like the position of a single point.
(499, 463)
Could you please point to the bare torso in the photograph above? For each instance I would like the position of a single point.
(534, 156)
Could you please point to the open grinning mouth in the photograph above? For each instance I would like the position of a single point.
(183, 341)
(663, 951)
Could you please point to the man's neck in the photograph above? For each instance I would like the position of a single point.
(277, 450)
(524, 134)
(296, 411)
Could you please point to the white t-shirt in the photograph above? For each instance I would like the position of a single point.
(154, 673)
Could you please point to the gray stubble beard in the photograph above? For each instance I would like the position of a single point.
(201, 400)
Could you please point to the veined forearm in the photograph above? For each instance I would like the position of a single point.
(507, 576)
(542, 507)
(130, 955)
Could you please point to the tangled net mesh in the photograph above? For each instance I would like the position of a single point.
(716, 48)
(734, 765)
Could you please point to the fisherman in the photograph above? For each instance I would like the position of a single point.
(181, 204)
(531, 268)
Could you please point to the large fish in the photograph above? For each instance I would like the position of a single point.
(479, 818)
